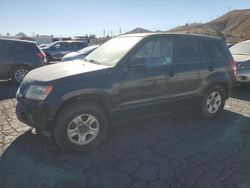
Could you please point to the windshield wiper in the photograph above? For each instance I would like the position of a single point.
(241, 54)
(93, 61)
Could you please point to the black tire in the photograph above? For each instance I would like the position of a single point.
(68, 114)
(204, 107)
(13, 76)
(48, 58)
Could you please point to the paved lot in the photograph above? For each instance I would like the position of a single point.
(178, 150)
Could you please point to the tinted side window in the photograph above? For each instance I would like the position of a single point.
(81, 45)
(156, 52)
(65, 45)
(25, 47)
(84, 44)
(206, 56)
(76, 45)
(2, 50)
(214, 50)
(5, 50)
(187, 51)
(56, 46)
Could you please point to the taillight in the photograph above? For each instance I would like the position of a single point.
(234, 67)
(41, 55)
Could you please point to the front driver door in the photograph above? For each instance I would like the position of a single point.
(144, 78)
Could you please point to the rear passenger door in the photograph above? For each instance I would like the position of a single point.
(213, 58)
(186, 78)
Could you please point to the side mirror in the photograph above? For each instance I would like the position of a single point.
(138, 63)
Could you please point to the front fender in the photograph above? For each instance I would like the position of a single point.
(78, 94)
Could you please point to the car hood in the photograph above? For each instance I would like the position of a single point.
(61, 70)
(241, 58)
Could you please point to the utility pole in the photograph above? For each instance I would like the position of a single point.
(120, 31)
(104, 33)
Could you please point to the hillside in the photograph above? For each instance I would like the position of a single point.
(138, 30)
(233, 26)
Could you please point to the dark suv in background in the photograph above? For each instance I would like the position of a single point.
(128, 77)
(18, 57)
(56, 50)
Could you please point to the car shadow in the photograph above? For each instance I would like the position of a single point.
(135, 153)
(7, 90)
(241, 92)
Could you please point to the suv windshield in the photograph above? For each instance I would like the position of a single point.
(52, 44)
(242, 48)
(113, 51)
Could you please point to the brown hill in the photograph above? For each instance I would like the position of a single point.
(138, 30)
(233, 26)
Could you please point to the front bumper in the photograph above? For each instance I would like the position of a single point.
(243, 76)
(33, 114)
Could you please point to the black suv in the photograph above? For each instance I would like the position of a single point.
(127, 77)
(56, 50)
(18, 57)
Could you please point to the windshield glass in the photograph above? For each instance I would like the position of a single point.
(51, 44)
(87, 49)
(112, 51)
(242, 48)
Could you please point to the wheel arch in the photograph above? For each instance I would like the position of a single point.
(99, 99)
(222, 83)
(219, 78)
(16, 66)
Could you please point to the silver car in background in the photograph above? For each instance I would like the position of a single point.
(241, 54)
(79, 54)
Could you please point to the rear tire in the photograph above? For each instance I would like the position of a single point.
(73, 129)
(213, 102)
(48, 58)
(18, 73)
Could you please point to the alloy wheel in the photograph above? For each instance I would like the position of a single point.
(83, 129)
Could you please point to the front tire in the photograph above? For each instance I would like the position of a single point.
(213, 102)
(81, 126)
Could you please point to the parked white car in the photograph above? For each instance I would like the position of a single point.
(241, 54)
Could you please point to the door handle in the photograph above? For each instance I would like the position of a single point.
(171, 73)
(211, 68)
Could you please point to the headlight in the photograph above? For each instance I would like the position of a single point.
(37, 92)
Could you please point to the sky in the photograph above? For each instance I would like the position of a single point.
(81, 17)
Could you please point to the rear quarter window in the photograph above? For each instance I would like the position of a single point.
(213, 50)
(32, 47)
(80, 45)
(24, 51)
(25, 47)
(5, 50)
